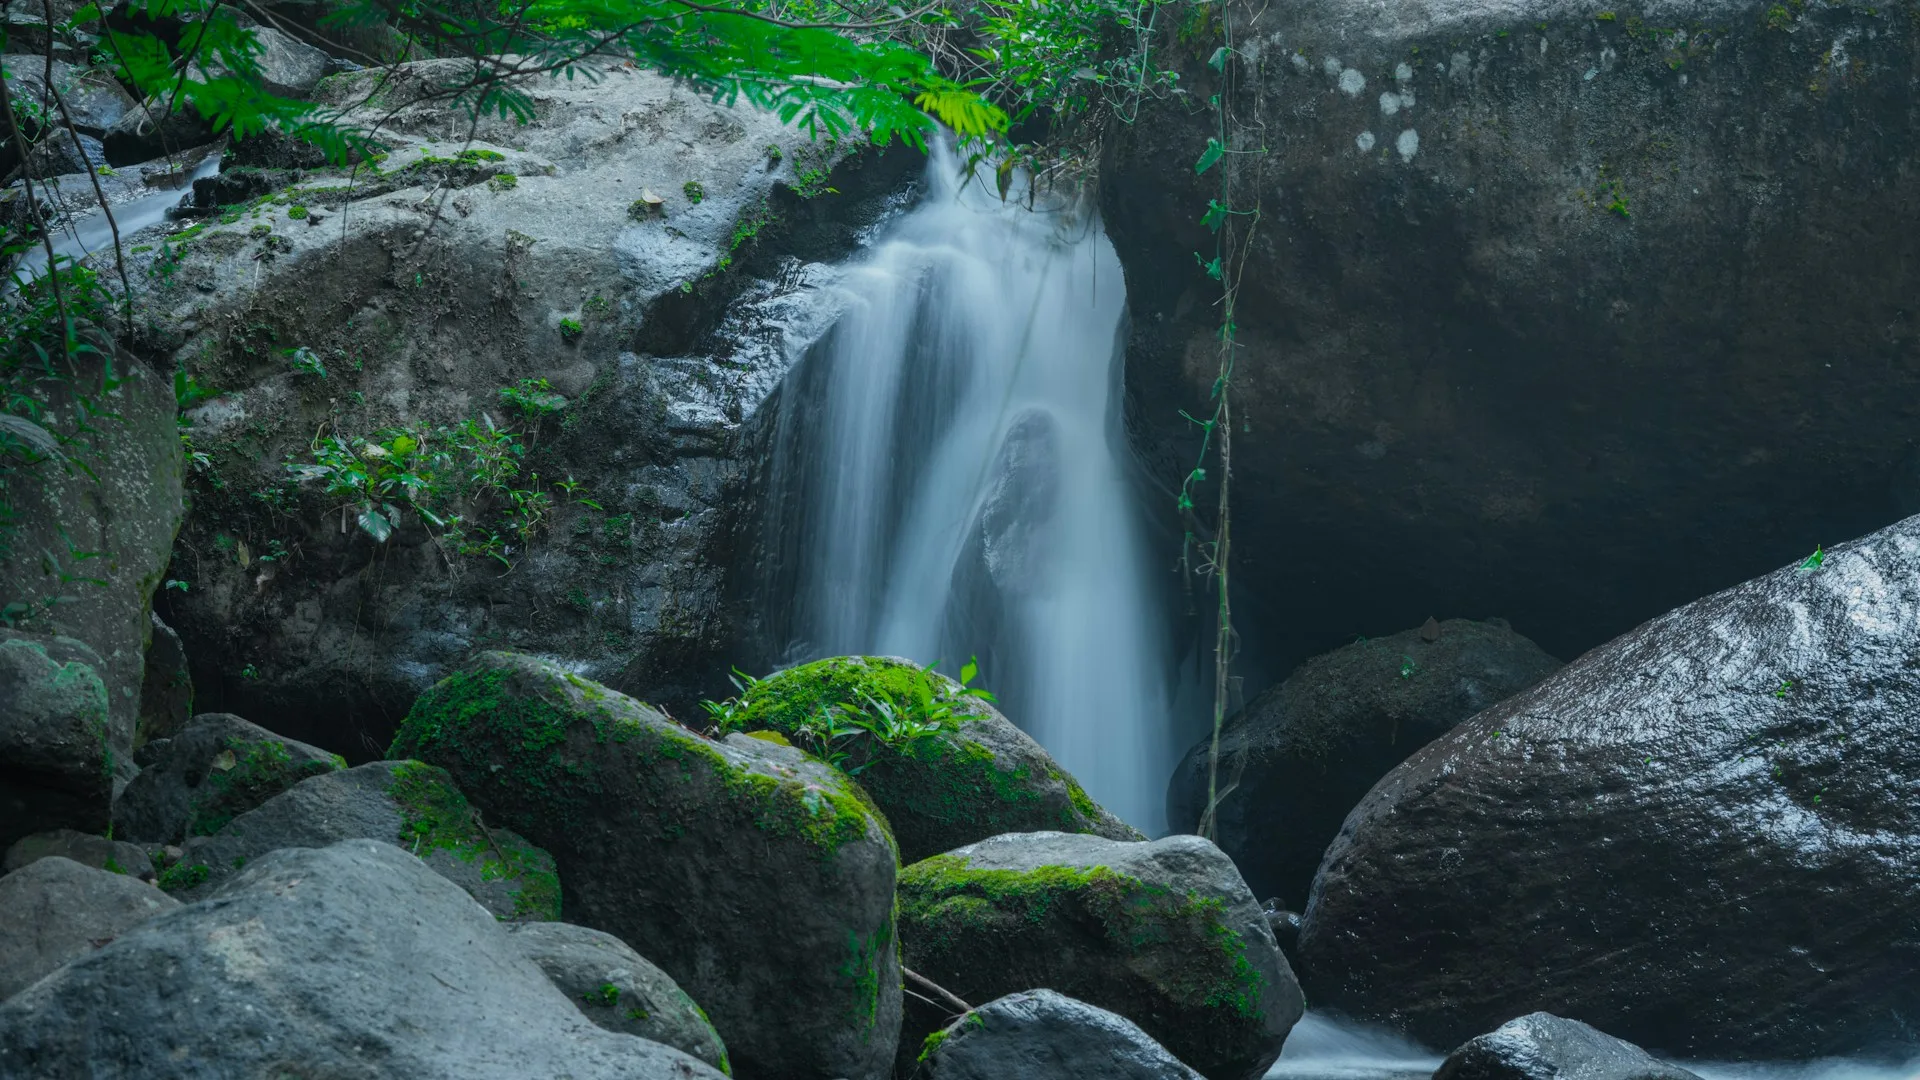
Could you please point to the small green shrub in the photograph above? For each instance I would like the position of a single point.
(696, 192)
(570, 328)
(505, 181)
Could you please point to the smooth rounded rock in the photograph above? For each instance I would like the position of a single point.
(54, 910)
(1043, 1035)
(1542, 1046)
(351, 960)
(619, 989)
(217, 768)
(1295, 760)
(1702, 836)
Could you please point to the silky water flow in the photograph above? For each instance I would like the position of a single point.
(954, 482)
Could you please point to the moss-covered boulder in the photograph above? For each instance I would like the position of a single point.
(1165, 934)
(986, 778)
(216, 769)
(758, 878)
(406, 803)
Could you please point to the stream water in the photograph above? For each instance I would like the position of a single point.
(1323, 1047)
(91, 232)
(953, 479)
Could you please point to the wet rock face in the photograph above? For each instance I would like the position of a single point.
(1703, 836)
(1304, 752)
(1532, 289)
(659, 335)
(1542, 1046)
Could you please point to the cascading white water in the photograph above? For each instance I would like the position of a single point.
(952, 455)
(92, 231)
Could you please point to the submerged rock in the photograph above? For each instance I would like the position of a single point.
(216, 769)
(1163, 933)
(1042, 1035)
(760, 879)
(619, 989)
(1304, 752)
(54, 737)
(54, 910)
(983, 778)
(351, 960)
(406, 803)
(1542, 1046)
(1703, 836)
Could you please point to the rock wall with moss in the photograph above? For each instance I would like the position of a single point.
(600, 293)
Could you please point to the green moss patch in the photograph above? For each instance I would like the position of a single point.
(939, 793)
(954, 914)
(436, 817)
(244, 775)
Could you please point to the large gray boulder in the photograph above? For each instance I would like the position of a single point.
(1542, 1046)
(1475, 370)
(1042, 1035)
(687, 320)
(214, 770)
(55, 737)
(1163, 933)
(351, 960)
(88, 546)
(1304, 752)
(405, 803)
(87, 849)
(982, 778)
(1703, 837)
(54, 910)
(759, 878)
(619, 989)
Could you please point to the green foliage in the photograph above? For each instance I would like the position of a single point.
(695, 191)
(465, 483)
(181, 876)
(505, 181)
(532, 398)
(904, 714)
(1814, 561)
(605, 995)
(305, 362)
(570, 328)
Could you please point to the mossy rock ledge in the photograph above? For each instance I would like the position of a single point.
(987, 778)
(413, 806)
(758, 878)
(1163, 933)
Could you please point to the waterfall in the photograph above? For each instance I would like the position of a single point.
(951, 479)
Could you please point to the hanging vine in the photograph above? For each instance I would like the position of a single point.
(1232, 228)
